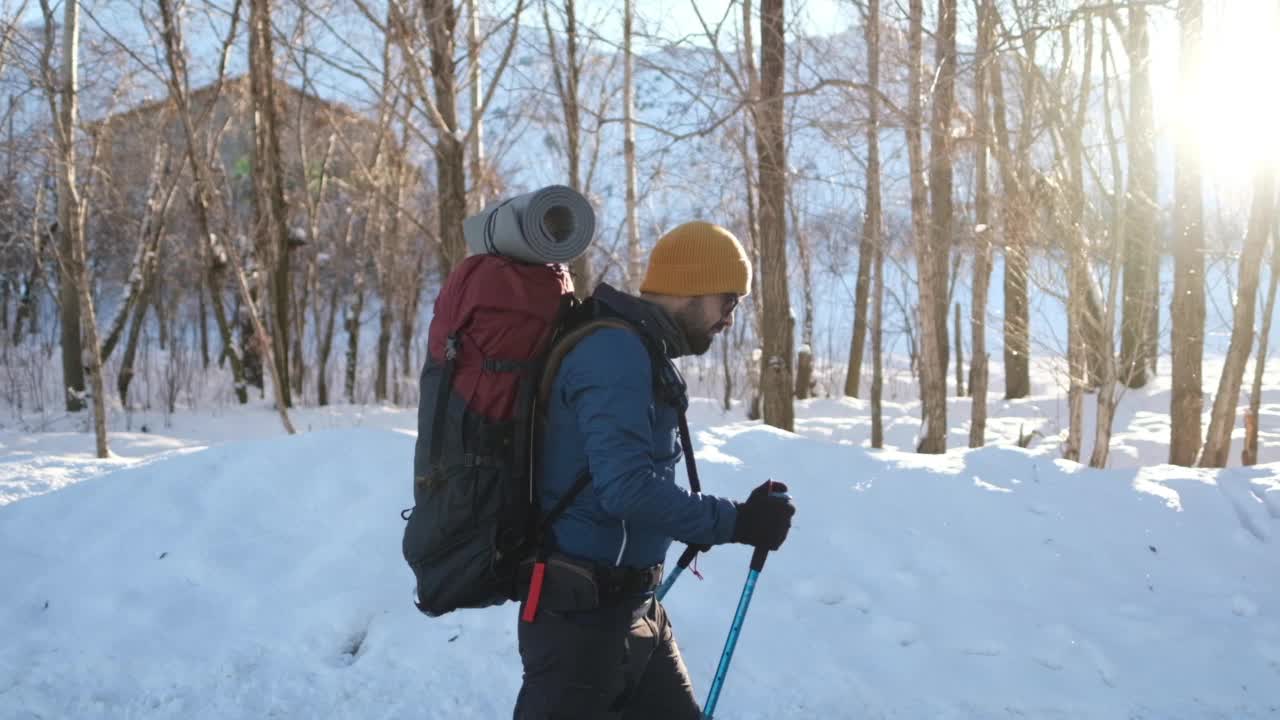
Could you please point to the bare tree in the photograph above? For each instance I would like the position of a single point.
(1217, 442)
(872, 238)
(1016, 213)
(439, 104)
(877, 340)
(1074, 237)
(777, 375)
(941, 181)
(934, 240)
(959, 354)
(635, 261)
(478, 195)
(1141, 297)
(1187, 308)
(567, 73)
(75, 291)
(1110, 371)
(199, 159)
(1249, 456)
(982, 232)
(63, 97)
(750, 118)
(271, 227)
(805, 382)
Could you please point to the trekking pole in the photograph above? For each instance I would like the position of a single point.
(757, 564)
(744, 601)
(685, 558)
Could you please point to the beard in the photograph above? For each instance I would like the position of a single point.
(698, 336)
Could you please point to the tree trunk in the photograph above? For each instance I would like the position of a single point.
(933, 236)
(1217, 442)
(301, 300)
(202, 318)
(26, 303)
(959, 354)
(162, 316)
(325, 347)
(635, 260)
(279, 384)
(1110, 375)
(479, 178)
(76, 287)
(352, 326)
(450, 154)
(941, 180)
(805, 383)
(64, 108)
(1250, 454)
(1139, 323)
(125, 378)
(269, 211)
(778, 378)
(982, 235)
(871, 214)
(6, 292)
(877, 336)
(1095, 339)
(857, 347)
(727, 368)
(756, 361)
(1187, 309)
(1078, 262)
(385, 319)
(1016, 217)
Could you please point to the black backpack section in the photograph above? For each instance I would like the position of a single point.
(475, 515)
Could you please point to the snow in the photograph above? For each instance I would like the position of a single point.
(216, 568)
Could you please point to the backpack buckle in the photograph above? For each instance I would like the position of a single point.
(451, 347)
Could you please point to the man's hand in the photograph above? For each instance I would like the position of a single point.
(765, 518)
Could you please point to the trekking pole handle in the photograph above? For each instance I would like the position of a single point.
(758, 557)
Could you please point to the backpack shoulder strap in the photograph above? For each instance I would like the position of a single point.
(563, 345)
(557, 356)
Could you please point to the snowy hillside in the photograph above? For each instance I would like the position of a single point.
(218, 570)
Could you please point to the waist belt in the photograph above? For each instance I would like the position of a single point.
(620, 582)
(563, 584)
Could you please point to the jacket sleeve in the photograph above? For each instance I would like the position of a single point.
(607, 381)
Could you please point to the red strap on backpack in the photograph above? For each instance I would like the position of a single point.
(535, 592)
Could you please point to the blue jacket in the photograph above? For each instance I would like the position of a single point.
(603, 417)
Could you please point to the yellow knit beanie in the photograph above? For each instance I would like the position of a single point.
(698, 258)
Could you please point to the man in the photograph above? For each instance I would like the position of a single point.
(598, 645)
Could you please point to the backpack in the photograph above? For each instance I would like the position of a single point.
(500, 329)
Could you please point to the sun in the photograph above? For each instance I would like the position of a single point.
(1232, 109)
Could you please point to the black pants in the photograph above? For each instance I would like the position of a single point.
(618, 663)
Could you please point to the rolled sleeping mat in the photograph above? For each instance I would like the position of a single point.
(552, 225)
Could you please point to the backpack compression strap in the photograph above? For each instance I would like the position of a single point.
(451, 348)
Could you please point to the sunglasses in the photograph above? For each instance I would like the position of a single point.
(728, 305)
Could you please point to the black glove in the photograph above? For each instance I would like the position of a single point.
(764, 521)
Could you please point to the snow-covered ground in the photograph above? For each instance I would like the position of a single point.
(216, 569)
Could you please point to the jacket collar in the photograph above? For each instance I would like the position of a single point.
(651, 318)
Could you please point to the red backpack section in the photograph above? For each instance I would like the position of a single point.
(502, 313)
